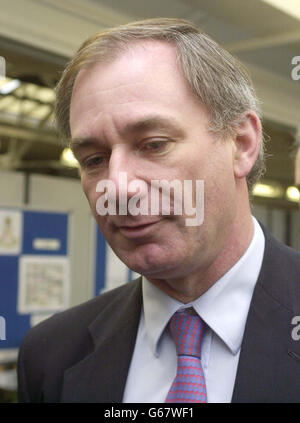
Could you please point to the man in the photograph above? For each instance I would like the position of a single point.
(159, 100)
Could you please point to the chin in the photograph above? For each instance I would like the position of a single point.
(153, 259)
(154, 267)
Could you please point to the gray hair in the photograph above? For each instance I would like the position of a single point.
(214, 75)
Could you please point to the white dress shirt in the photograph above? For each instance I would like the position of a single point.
(223, 307)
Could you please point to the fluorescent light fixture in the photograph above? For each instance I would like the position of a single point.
(46, 95)
(68, 159)
(2, 67)
(10, 86)
(266, 190)
(293, 194)
(291, 7)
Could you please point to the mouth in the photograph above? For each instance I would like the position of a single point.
(138, 230)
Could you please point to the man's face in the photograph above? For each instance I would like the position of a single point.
(138, 115)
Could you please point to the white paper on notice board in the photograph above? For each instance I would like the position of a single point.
(46, 244)
(43, 283)
(11, 229)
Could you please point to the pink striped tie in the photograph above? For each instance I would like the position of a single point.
(189, 384)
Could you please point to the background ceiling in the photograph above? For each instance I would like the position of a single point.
(37, 37)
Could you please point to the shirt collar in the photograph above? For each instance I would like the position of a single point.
(224, 306)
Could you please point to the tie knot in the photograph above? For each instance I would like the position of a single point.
(187, 332)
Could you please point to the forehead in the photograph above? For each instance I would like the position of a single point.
(144, 78)
(138, 52)
(135, 61)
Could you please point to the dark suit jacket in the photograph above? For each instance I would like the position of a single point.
(83, 354)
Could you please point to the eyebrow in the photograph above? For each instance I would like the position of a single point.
(77, 144)
(144, 124)
(153, 122)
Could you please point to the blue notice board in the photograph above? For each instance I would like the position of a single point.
(26, 235)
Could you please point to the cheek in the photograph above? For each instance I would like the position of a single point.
(89, 190)
(219, 184)
(85, 187)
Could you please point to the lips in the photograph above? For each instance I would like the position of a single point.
(137, 229)
(136, 226)
(132, 222)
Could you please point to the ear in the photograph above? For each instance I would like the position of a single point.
(248, 136)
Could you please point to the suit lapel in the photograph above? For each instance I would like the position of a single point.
(101, 376)
(260, 376)
(266, 372)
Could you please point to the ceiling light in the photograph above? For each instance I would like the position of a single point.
(266, 190)
(293, 194)
(291, 7)
(10, 86)
(46, 95)
(2, 68)
(68, 159)
(4, 81)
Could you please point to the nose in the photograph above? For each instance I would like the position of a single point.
(123, 173)
(120, 168)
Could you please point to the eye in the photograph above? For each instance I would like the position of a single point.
(92, 163)
(155, 145)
